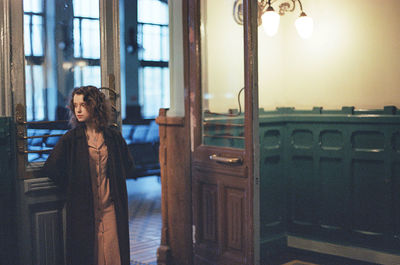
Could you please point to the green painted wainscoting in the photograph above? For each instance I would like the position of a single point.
(7, 192)
(331, 176)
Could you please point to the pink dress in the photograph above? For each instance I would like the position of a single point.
(106, 243)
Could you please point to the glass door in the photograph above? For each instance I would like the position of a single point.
(62, 49)
(55, 47)
(222, 75)
(223, 85)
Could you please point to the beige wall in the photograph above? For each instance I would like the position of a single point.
(352, 59)
(222, 55)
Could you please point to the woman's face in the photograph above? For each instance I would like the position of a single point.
(80, 109)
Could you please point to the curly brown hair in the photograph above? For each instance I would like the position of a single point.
(97, 105)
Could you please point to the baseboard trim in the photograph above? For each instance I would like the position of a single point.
(356, 253)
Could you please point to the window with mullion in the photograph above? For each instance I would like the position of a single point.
(153, 56)
(62, 51)
(34, 47)
(86, 33)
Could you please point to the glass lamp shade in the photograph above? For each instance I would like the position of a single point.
(270, 22)
(304, 25)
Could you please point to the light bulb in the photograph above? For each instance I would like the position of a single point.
(304, 25)
(270, 21)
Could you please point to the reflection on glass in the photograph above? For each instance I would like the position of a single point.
(62, 51)
(222, 75)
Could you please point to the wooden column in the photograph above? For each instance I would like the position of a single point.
(176, 235)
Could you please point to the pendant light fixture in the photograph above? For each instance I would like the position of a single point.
(270, 19)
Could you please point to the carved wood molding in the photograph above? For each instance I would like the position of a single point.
(170, 121)
(39, 184)
(175, 191)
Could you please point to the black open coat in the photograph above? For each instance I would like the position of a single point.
(68, 166)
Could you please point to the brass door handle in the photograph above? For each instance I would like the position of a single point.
(226, 160)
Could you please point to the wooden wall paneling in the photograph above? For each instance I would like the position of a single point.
(273, 193)
(395, 177)
(207, 234)
(301, 179)
(7, 196)
(164, 251)
(234, 218)
(252, 155)
(396, 190)
(233, 237)
(208, 172)
(41, 222)
(343, 179)
(339, 174)
(332, 182)
(221, 218)
(47, 231)
(372, 195)
(176, 237)
(219, 194)
(208, 212)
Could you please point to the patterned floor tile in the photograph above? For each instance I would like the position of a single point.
(144, 198)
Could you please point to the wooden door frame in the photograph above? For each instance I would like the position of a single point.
(251, 151)
(44, 201)
(109, 63)
(175, 160)
(252, 156)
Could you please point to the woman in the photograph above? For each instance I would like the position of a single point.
(90, 163)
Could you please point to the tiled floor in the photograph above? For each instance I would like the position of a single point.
(144, 198)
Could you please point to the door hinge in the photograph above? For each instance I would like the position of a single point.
(194, 234)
